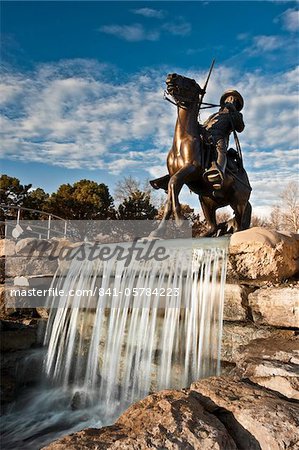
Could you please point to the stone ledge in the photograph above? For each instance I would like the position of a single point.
(22, 266)
(236, 335)
(277, 306)
(272, 363)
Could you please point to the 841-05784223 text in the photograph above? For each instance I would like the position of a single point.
(140, 291)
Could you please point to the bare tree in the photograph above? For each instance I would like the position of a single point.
(285, 214)
(125, 188)
(129, 186)
(276, 218)
(290, 207)
(257, 221)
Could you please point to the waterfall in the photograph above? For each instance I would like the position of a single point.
(129, 329)
(112, 336)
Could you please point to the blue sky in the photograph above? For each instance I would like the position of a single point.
(82, 87)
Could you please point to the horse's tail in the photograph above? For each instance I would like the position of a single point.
(161, 183)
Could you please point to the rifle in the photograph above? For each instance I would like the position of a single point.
(205, 86)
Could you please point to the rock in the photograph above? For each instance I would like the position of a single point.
(216, 413)
(235, 302)
(19, 369)
(5, 309)
(259, 254)
(21, 300)
(276, 306)
(165, 420)
(80, 401)
(8, 387)
(272, 363)
(41, 247)
(13, 305)
(21, 281)
(7, 247)
(24, 266)
(256, 418)
(43, 313)
(2, 269)
(238, 334)
(17, 336)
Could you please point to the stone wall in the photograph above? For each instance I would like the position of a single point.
(262, 292)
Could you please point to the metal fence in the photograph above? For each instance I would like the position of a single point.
(12, 216)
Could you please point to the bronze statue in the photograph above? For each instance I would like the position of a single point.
(198, 157)
(219, 127)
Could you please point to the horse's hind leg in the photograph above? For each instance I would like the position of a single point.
(209, 210)
(242, 216)
(246, 218)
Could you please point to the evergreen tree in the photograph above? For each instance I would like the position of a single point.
(84, 200)
(137, 207)
(36, 199)
(12, 192)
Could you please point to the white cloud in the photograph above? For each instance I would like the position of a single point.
(178, 27)
(150, 12)
(290, 19)
(131, 33)
(265, 44)
(70, 116)
(243, 36)
(137, 32)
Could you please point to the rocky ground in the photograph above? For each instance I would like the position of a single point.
(252, 406)
(215, 413)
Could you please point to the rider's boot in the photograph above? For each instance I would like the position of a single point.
(215, 176)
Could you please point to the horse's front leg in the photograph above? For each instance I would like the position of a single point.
(175, 185)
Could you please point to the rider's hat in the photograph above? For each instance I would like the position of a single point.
(236, 94)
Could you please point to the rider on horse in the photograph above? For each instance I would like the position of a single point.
(216, 131)
(218, 128)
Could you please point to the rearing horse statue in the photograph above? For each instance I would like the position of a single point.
(189, 158)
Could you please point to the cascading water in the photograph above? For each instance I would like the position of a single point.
(129, 329)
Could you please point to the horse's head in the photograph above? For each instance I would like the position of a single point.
(185, 91)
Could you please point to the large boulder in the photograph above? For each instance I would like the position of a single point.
(256, 418)
(218, 413)
(259, 255)
(276, 306)
(272, 363)
(166, 420)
